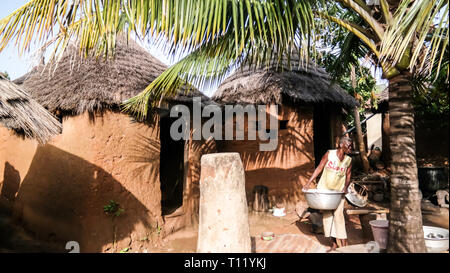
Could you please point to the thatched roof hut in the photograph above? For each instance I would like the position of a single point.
(310, 121)
(101, 155)
(279, 83)
(78, 84)
(383, 99)
(21, 113)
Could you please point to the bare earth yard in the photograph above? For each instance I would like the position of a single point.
(291, 236)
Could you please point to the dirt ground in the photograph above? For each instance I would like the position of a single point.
(185, 241)
(16, 239)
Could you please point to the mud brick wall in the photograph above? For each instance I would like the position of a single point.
(62, 187)
(285, 170)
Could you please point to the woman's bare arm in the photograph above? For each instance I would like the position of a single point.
(317, 171)
(348, 177)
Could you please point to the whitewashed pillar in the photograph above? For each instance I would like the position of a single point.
(223, 212)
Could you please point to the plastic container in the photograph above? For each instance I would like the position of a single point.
(380, 232)
(279, 212)
(436, 239)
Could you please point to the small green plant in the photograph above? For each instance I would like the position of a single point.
(113, 208)
(5, 74)
(158, 230)
(125, 250)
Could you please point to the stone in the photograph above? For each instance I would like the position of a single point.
(223, 211)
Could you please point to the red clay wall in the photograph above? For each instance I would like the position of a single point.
(285, 170)
(59, 190)
(192, 190)
(338, 128)
(187, 214)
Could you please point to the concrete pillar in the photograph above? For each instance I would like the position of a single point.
(223, 215)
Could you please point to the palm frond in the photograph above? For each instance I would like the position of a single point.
(35, 20)
(58, 23)
(364, 13)
(356, 30)
(351, 41)
(417, 34)
(208, 64)
(189, 24)
(274, 27)
(218, 36)
(350, 52)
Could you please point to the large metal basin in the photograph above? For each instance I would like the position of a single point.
(323, 199)
(436, 239)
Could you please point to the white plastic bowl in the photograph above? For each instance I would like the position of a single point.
(436, 239)
(323, 199)
(279, 212)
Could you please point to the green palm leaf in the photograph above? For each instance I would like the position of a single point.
(271, 27)
(407, 41)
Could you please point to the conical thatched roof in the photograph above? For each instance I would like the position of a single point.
(384, 96)
(89, 84)
(277, 84)
(19, 112)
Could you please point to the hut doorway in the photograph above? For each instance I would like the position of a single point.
(171, 168)
(322, 131)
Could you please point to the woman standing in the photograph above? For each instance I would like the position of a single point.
(335, 167)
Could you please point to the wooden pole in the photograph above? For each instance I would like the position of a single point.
(360, 140)
(359, 135)
(365, 211)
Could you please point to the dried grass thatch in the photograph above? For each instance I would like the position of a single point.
(278, 84)
(19, 112)
(75, 84)
(384, 96)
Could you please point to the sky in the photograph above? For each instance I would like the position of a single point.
(17, 65)
(9, 57)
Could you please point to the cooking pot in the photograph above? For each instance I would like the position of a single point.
(432, 179)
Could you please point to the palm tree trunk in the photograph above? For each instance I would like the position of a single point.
(405, 219)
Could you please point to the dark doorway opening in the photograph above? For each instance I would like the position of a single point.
(322, 131)
(171, 168)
